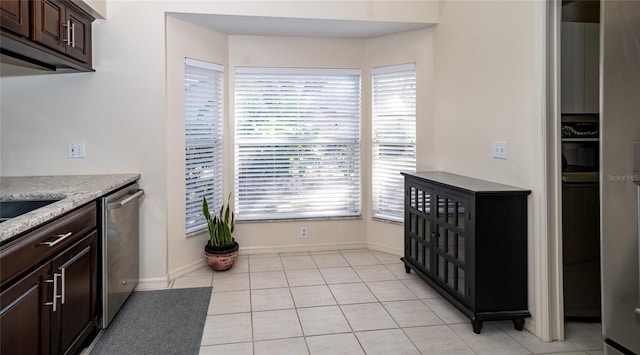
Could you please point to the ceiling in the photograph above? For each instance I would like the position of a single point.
(266, 26)
(298, 27)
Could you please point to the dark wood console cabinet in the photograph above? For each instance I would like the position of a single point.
(47, 34)
(48, 286)
(467, 238)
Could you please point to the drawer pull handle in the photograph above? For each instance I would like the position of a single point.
(60, 237)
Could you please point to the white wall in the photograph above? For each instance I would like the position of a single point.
(96, 8)
(414, 46)
(265, 51)
(487, 68)
(304, 53)
(122, 113)
(118, 111)
(184, 40)
(489, 75)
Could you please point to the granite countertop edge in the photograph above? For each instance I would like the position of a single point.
(72, 191)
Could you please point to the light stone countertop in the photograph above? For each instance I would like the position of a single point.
(72, 190)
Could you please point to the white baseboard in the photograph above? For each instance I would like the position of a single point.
(156, 283)
(385, 249)
(159, 283)
(184, 270)
(530, 325)
(301, 248)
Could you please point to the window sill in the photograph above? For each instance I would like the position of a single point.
(385, 220)
(247, 221)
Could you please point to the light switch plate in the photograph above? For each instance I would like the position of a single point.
(500, 150)
(75, 150)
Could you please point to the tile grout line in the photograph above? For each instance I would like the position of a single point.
(378, 301)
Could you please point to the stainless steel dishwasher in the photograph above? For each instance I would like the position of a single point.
(120, 248)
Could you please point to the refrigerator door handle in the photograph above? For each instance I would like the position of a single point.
(636, 180)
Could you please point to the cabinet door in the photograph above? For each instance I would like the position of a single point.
(76, 315)
(25, 316)
(14, 16)
(418, 225)
(79, 45)
(48, 20)
(450, 250)
(580, 67)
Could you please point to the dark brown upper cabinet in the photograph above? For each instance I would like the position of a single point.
(14, 16)
(62, 28)
(49, 34)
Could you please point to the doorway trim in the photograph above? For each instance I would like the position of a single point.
(549, 258)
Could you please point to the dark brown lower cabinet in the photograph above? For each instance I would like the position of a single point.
(48, 299)
(467, 238)
(24, 318)
(581, 250)
(75, 317)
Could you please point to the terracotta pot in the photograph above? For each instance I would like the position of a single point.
(221, 258)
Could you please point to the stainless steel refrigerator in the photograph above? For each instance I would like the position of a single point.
(620, 128)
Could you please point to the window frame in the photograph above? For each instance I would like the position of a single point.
(275, 82)
(206, 136)
(389, 149)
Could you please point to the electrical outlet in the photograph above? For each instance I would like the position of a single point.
(75, 150)
(303, 232)
(500, 150)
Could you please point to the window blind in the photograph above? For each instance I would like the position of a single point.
(394, 137)
(297, 143)
(203, 139)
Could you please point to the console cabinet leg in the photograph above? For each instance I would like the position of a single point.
(477, 325)
(407, 269)
(518, 324)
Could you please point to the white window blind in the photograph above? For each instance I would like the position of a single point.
(394, 137)
(297, 141)
(203, 139)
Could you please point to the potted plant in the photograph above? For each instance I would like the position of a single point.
(221, 251)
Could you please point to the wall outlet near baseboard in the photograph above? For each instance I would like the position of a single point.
(303, 233)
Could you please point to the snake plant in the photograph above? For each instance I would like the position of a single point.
(220, 226)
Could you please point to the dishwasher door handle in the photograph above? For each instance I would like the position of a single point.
(125, 200)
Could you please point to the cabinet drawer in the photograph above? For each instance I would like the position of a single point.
(28, 250)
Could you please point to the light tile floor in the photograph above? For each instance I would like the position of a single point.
(351, 302)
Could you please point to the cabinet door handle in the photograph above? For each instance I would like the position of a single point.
(60, 237)
(73, 35)
(54, 301)
(67, 25)
(62, 280)
(637, 310)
